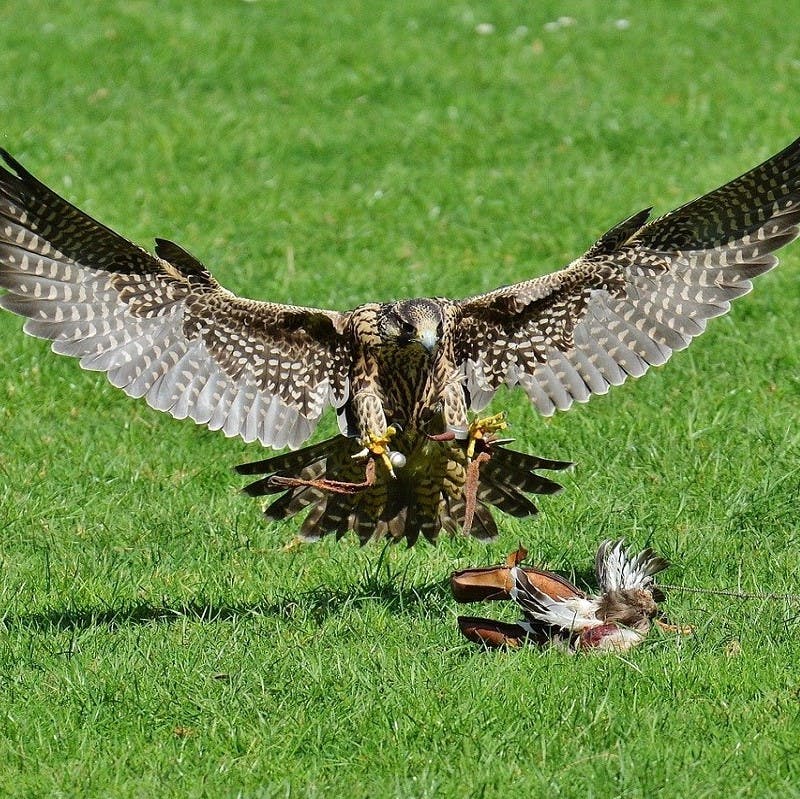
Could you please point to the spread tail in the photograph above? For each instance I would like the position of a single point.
(431, 492)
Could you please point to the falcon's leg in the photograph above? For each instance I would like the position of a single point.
(375, 434)
(378, 445)
(454, 411)
(479, 429)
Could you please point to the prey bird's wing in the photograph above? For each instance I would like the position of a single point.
(573, 613)
(621, 569)
(161, 326)
(643, 291)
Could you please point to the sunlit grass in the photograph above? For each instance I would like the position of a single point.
(159, 641)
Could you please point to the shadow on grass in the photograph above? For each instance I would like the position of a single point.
(318, 604)
(379, 585)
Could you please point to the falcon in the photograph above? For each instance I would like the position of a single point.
(403, 377)
(555, 612)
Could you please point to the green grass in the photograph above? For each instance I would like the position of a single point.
(158, 641)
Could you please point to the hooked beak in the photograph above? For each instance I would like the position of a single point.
(428, 339)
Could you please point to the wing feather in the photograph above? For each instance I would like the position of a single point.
(160, 326)
(643, 291)
(573, 614)
(618, 568)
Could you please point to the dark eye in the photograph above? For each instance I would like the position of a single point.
(407, 328)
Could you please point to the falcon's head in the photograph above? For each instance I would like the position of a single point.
(409, 322)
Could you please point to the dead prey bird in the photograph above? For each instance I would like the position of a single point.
(554, 611)
(403, 377)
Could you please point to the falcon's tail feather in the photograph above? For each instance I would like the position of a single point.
(504, 482)
(483, 527)
(325, 478)
(289, 462)
(512, 475)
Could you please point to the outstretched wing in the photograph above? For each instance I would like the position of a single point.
(643, 291)
(621, 569)
(160, 326)
(574, 613)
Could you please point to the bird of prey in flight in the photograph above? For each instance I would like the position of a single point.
(403, 377)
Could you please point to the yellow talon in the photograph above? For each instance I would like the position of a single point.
(480, 428)
(379, 445)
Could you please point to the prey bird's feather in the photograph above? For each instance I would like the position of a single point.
(621, 569)
(618, 617)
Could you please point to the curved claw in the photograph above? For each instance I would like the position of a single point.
(378, 445)
(480, 428)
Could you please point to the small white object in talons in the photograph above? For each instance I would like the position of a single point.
(461, 433)
(364, 453)
(397, 459)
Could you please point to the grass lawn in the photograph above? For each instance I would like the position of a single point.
(156, 638)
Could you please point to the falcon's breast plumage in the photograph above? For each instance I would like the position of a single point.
(402, 376)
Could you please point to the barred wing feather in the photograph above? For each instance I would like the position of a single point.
(573, 613)
(160, 326)
(642, 292)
